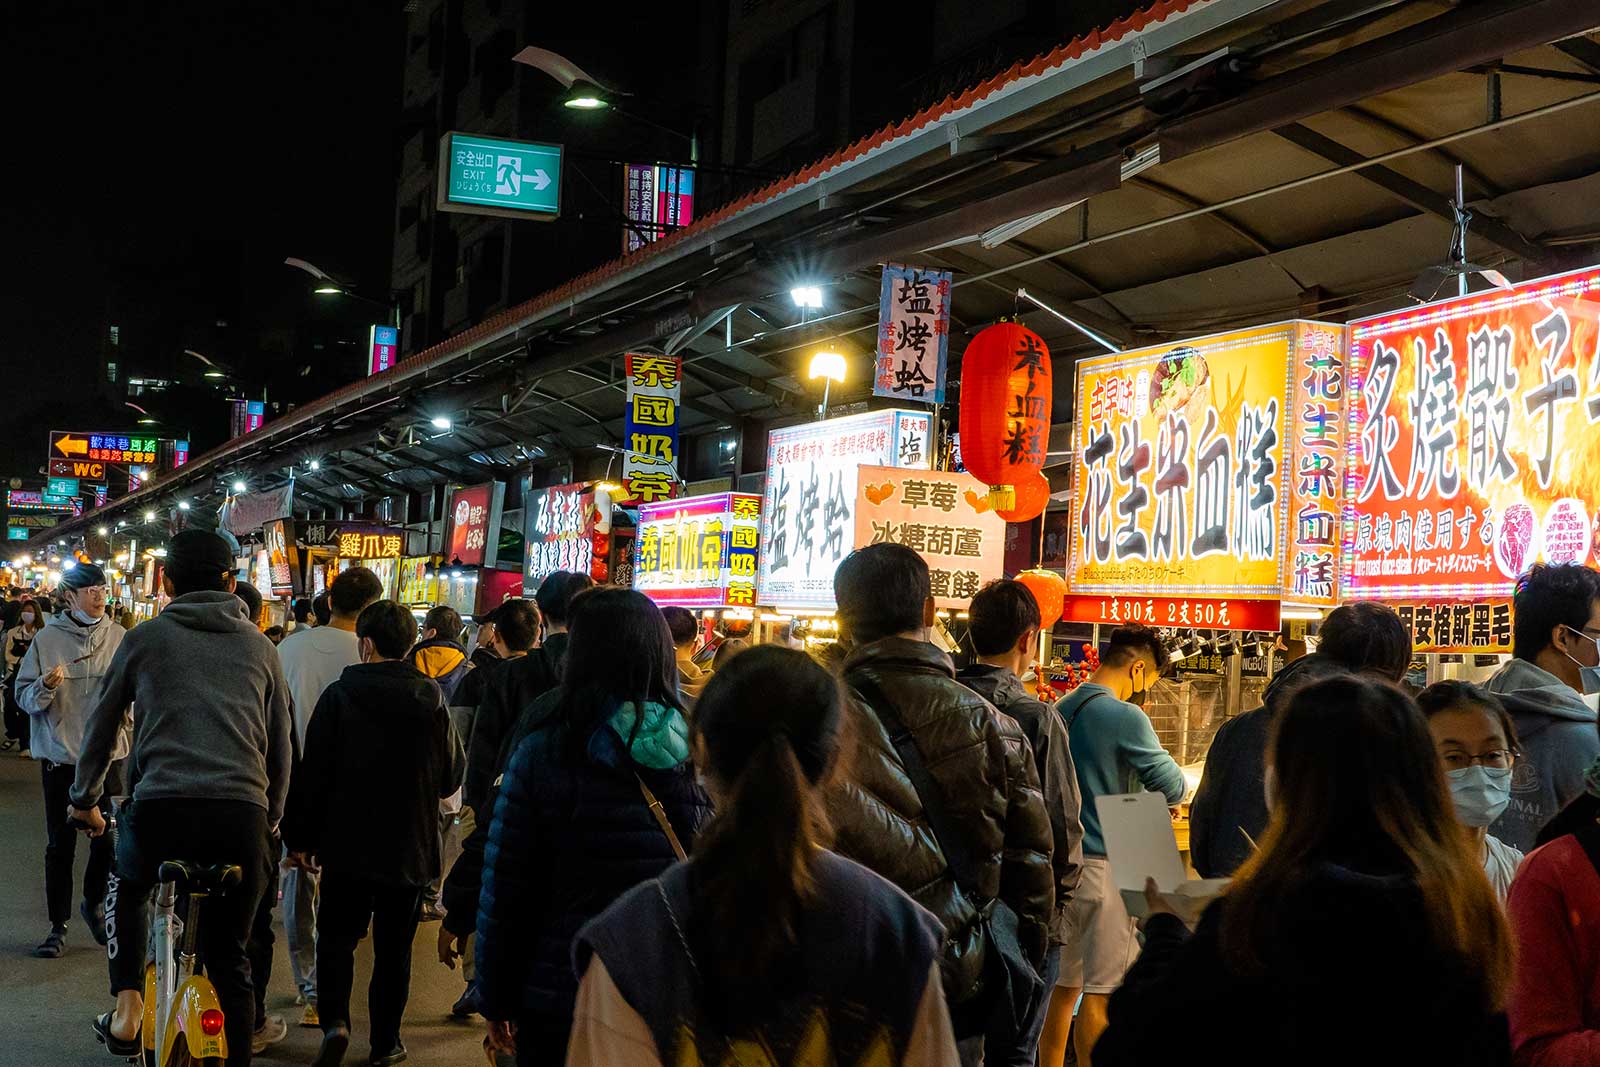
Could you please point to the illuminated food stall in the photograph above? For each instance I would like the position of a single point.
(945, 517)
(1207, 478)
(1474, 453)
(566, 528)
(699, 552)
(808, 512)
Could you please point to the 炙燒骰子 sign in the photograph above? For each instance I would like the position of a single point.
(699, 552)
(942, 516)
(1184, 461)
(1474, 441)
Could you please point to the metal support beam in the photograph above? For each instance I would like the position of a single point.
(1419, 196)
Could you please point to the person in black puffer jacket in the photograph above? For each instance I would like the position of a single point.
(978, 759)
(571, 830)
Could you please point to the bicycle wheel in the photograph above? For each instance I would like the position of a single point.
(181, 1057)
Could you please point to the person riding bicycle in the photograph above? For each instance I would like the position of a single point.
(207, 777)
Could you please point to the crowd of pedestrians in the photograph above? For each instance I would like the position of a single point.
(871, 857)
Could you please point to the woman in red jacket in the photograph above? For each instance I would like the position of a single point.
(1555, 915)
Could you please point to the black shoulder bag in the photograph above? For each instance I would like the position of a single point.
(1010, 984)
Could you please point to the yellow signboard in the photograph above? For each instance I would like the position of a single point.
(1183, 459)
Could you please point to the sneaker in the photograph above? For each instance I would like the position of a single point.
(299, 1000)
(24, 754)
(310, 1019)
(271, 1030)
(432, 913)
(467, 1006)
(95, 920)
(334, 1044)
(54, 944)
(389, 1058)
(7, 745)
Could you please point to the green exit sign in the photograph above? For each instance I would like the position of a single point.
(490, 176)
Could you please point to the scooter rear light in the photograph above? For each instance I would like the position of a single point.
(211, 1022)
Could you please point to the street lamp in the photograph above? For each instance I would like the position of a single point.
(239, 487)
(328, 285)
(830, 367)
(585, 92)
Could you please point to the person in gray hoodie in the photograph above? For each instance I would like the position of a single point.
(1556, 650)
(207, 777)
(57, 681)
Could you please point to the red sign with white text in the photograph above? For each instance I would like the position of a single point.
(1474, 441)
(1194, 612)
(471, 513)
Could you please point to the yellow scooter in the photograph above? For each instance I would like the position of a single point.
(179, 1000)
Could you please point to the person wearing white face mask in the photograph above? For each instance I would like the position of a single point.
(1478, 747)
(57, 682)
(30, 620)
(1556, 644)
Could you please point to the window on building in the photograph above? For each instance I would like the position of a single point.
(116, 336)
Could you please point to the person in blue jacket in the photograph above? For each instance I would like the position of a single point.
(573, 828)
(1115, 750)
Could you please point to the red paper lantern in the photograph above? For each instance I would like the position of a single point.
(1049, 591)
(1032, 496)
(1005, 404)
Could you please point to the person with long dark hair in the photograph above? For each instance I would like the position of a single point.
(765, 937)
(1363, 930)
(580, 816)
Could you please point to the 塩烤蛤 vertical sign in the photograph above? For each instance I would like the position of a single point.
(492, 176)
(1193, 464)
(944, 517)
(913, 334)
(1474, 441)
(699, 552)
(650, 459)
(808, 517)
(383, 346)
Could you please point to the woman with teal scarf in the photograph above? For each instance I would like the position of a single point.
(573, 826)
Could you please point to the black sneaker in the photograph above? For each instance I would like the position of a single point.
(334, 1044)
(388, 1059)
(95, 920)
(54, 944)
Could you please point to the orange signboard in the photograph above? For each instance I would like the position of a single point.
(943, 516)
(1187, 467)
(1474, 441)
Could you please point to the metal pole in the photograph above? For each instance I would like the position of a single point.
(1109, 346)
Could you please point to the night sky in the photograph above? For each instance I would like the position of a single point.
(162, 162)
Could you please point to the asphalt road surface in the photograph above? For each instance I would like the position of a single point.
(46, 1005)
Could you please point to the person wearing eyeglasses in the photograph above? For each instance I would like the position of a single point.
(1550, 688)
(1477, 744)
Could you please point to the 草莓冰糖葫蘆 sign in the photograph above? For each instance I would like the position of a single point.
(493, 176)
(1474, 441)
(944, 517)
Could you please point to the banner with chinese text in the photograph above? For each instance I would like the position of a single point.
(808, 515)
(655, 389)
(558, 526)
(475, 524)
(1475, 441)
(944, 517)
(913, 334)
(1457, 626)
(1185, 459)
(699, 552)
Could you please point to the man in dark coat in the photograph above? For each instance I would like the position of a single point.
(1004, 627)
(381, 730)
(979, 763)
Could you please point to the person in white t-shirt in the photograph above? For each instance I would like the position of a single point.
(313, 658)
(1477, 743)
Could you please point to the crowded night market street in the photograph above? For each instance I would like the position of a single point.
(802, 533)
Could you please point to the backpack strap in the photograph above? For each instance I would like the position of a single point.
(1073, 717)
(1588, 836)
(951, 842)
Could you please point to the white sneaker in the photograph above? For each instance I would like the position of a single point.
(271, 1031)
